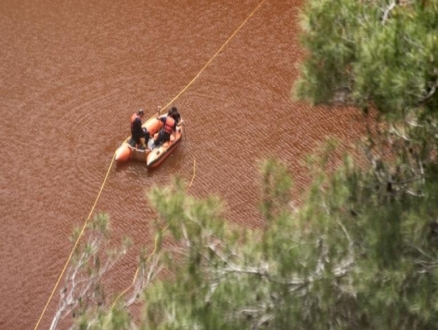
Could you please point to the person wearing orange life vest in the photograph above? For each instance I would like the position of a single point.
(168, 128)
(139, 134)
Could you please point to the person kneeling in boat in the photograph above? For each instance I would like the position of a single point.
(168, 128)
(139, 134)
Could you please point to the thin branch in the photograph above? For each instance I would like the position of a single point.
(396, 132)
(387, 11)
(433, 87)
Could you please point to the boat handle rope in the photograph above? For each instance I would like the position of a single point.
(112, 162)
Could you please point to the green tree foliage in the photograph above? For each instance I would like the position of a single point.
(353, 257)
(377, 52)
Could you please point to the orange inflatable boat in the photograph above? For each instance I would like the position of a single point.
(153, 155)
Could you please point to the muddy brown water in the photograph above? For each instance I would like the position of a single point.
(72, 73)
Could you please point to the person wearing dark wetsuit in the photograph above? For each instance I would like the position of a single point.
(139, 134)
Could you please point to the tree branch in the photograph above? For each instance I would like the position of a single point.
(387, 11)
(429, 95)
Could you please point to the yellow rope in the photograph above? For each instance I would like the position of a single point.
(209, 61)
(112, 161)
(214, 56)
(76, 243)
(194, 172)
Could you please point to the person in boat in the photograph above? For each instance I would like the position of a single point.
(169, 127)
(139, 134)
(176, 115)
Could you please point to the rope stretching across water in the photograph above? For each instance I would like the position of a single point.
(112, 162)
